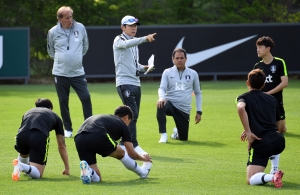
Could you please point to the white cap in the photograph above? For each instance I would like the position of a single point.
(129, 20)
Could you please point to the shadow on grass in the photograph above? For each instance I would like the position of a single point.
(132, 182)
(168, 159)
(197, 143)
(285, 186)
(293, 135)
(49, 179)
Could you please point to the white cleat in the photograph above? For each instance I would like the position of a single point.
(174, 134)
(163, 138)
(147, 167)
(68, 133)
(85, 172)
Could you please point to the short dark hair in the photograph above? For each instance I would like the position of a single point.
(266, 41)
(256, 79)
(44, 102)
(124, 110)
(178, 50)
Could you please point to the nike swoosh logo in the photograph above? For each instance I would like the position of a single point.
(1, 51)
(196, 58)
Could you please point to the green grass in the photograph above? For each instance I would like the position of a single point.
(211, 162)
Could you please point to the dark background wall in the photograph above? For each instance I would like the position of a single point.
(237, 60)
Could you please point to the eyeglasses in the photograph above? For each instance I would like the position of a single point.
(131, 20)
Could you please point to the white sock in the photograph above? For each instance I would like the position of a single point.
(23, 160)
(131, 165)
(275, 163)
(95, 176)
(260, 178)
(32, 171)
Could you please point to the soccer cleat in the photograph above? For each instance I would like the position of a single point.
(16, 174)
(139, 150)
(147, 167)
(174, 134)
(68, 133)
(163, 138)
(85, 172)
(277, 179)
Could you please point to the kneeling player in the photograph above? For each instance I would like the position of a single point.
(259, 114)
(98, 135)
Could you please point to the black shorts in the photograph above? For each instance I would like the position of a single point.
(90, 144)
(35, 143)
(281, 110)
(260, 156)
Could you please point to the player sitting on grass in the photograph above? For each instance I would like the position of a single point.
(33, 140)
(99, 135)
(259, 114)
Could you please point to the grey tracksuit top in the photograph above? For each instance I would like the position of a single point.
(178, 86)
(67, 62)
(125, 53)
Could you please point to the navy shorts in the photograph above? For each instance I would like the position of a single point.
(260, 156)
(90, 144)
(35, 143)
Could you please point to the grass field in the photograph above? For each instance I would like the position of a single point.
(211, 162)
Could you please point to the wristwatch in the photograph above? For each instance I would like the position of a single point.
(199, 112)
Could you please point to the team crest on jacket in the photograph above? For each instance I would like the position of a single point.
(273, 68)
(126, 93)
(187, 78)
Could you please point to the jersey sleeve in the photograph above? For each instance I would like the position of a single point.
(282, 69)
(240, 98)
(126, 137)
(58, 126)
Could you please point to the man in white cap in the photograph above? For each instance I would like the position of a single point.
(128, 68)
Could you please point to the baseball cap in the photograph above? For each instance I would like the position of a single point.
(129, 20)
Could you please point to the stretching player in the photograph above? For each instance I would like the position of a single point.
(259, 114)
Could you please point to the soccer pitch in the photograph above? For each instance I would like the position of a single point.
(213, 161)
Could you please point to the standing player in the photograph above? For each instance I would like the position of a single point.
(98, 135)
(67, 43)
(128, 68)
(33, 140)
(276, 80)
(175, 97)
(259, 115)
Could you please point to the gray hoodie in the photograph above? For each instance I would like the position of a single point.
(125, 52)
(67, 48)
(178, 86)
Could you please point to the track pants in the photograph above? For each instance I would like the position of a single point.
(79, 84)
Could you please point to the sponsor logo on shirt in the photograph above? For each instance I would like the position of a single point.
(179, 86)
(269, 79)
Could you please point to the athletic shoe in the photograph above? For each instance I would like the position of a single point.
(85, 172)
(139, 150)
(277, 179)
(174, 134)
(163, 138)
(68, 133)
(16, 174)
(147, 167)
